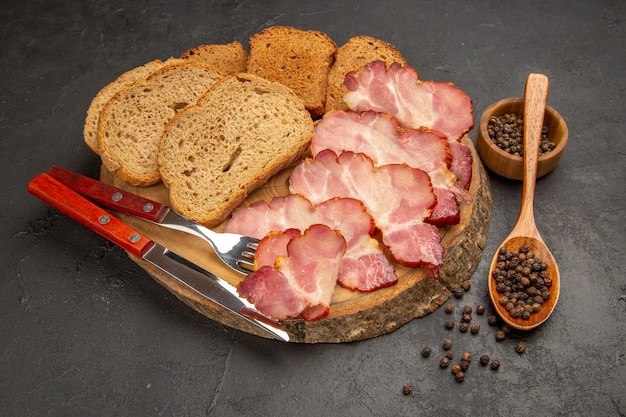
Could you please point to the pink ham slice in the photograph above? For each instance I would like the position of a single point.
(302, 279)
(397, 196)
(364, 266)
(438, 106)
(381, 137)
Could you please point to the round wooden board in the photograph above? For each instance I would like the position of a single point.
(353, 316)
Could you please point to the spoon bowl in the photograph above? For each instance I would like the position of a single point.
(525, 230)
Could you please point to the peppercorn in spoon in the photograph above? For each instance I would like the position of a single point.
(524, 281)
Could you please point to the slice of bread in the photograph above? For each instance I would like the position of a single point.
(353, 56)
(241, 132)
(90, 130)
(229, 59)
(296, 58)
(131, 124)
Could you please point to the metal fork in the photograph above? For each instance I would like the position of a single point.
(234, 250)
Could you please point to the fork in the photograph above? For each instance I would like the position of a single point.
(236, 251)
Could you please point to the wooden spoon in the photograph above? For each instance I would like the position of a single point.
(525, 231)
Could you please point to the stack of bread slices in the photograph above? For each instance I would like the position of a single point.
(219, 121)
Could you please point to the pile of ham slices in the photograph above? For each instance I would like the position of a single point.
(393, 163)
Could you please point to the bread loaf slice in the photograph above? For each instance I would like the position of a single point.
(229, 59)
(132, 122)
(90, 130)
(296, 58)
(353, 56)
(241, 132)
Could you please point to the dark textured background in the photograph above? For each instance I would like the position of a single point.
(85, 331)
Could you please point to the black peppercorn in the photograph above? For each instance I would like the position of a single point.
(466, 356)
(495, 364)
(492, 320)
(449, 308)
(484, 360)
(467, 309)
(407, 389)
(444, 362)
(456, 369)
(521, 278)
(464, 327)
(464, 366)
(450, 324)
(426, 352)
(459, 292)
(475, 328)
(466, 285)
(500, 335)
(449, 355)
(480, 309)
(459, 376)
(520, 347)
(447, 344)
(466, 317)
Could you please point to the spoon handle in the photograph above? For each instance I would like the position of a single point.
(535, 97)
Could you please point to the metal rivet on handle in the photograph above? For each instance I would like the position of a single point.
(104, 219)
(117, 196)
(148, 207)
(134, 238)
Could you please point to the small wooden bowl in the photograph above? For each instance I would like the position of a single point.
(512, 166)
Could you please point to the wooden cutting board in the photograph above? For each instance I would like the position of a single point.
(353, 315)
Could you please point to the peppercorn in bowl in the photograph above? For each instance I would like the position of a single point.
(500, 139)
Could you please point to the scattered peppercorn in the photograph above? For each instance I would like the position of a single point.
(449, 355)
(507, 133)
(464, 366)
(426, 352)
(492, 320)
(459, 292)
(459, 376)
(506, 329)
(407, 389)
(444, 362)
(466, 285)
(456, 369)
(480, 309)
(467, 309)
(520, 348)
(475, 328)
(466, 356)
(449, 308)
(500, 335)
(464, 327)
(495, 364)
(484, 360)
(450, 324)
(447, 344)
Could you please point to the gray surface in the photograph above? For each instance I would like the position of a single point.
(86, 332)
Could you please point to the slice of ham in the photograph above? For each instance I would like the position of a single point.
(381, 137)
(397, 196)
(364, 266)
(302, 279)
(439, 106)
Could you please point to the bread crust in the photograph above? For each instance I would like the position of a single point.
(298, 59)
(228, 58)
(90, 129)
(132, 122)
(241, 132)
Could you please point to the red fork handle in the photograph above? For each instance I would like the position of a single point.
(111, 197)
(68, 202)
